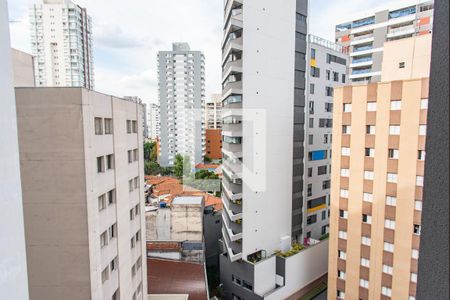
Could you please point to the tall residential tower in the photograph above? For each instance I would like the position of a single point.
(181, 85)
(263, 96)
(61, 41)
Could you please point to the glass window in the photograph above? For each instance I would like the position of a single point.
(371, 106)
(424, 103)
(98, 126)
(396, 105)
(347, 107)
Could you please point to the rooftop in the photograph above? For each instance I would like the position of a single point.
(176, 277)
(186, 200)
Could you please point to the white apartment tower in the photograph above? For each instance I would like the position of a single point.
(181, 74)
(263, 96)
(61, 41)
(13, 261)
(154, 123)
(82, 168)
(213, 112)
(327, 63)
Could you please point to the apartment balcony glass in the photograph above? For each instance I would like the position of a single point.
(402, 12)
(361, 71)
(362, 48)
(363, 22)
(361, 60)
(232, 99)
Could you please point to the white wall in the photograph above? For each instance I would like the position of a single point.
(302, 269)
(13, 268)
(268, 85)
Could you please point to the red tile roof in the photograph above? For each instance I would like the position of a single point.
(166, 246)
(206, 166)
(175, 277)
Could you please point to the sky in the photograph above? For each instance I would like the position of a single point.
(128, 34)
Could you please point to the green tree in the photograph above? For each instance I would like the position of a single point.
(178, 166)
(151, 168)
(149, 147)
(205, 174)
(154, 153)
(207, 159)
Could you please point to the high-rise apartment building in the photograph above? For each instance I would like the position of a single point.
(13, 263)
(377, 178)
(81, 162)
(263, 96)
(213, 112)
(144, 113)
(366, 35)
(154, 124)
(181, 85)
(61, 41)
(327, 70)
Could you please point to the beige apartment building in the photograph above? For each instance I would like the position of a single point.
(82, 180)
(378, 158)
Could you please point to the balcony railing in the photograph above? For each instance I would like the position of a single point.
(359, 49)
(360, 60)
(361, 71)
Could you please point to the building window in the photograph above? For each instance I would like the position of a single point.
(363, 283)
(415, 253)
(343, 78)
(371, 106)
(392, 177)
(343, 214)
(130, 156)
(421, 155)
(309, 189)
(113, 231)
(347, 107)
(329, 91)
(321, 170)
(130, 185)
(135, 154)
(310, 139)
(326, 184)
(367, 219)
(98, 126)
(108, 126)
(392, 201)
(368, 175)
(328, 74)
(313, 53)
(370, 129)
(100, 164)
(134, 126)
(128, 126)
(311, 219)
(310, 170)
(423, 103)
(365, 240)
(345, 172)
(104, 239)
(315, 72)
(396, 105)
(102, 202)
(328, 107)
(325, 138)
(342, 234)
(111, 197)
(388, 247)
(418, 205)
(416, 229)
(110, 161)
(341, 274)
(365, 262)
(342, 255)
(394, 129)
(422, 129)
(340, 294)
(368, 197)
(311, 88)
(311, 122)
(419, 180)
(387, 269)
(113, 265)
(105, 274)
(401, 65)
(386, 291)
(132, 243)
(345, 151)
(393, 153)
(414, 277)
(344, 193)
(389, 224)
(370, 152)
(346, 129)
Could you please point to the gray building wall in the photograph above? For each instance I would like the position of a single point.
(197, 104)
(212, 232)
(434, 247)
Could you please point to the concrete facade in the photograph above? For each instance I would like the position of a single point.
(214, 143)
(181, 86)
(328, 69)
(23, 68)
(365, 35)
(83, 195)
(213, 112)
(61, 42)
(154, 123)
(13, 264)
(376, 190)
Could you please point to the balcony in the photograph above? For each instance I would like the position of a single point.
(236, 215)
(361, 62)
(401, 31)
(234, 66)
(230, 5)
(362, 39)
(234, 22)
(232, 191)
(232, 87)
(234, 175)
(234, 43)
(234, 249)
(233, 229)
